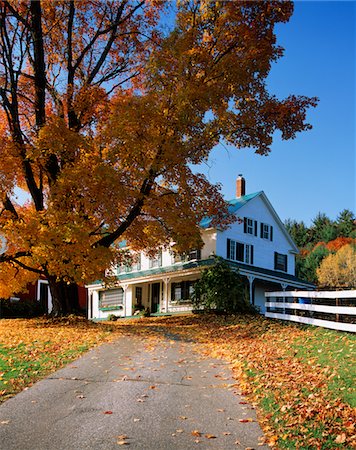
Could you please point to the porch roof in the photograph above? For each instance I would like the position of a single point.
(245, 269)
(165, 269)
(260, 271)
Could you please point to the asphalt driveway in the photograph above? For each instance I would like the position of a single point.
(133, 393)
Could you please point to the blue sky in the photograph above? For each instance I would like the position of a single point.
(316, 171)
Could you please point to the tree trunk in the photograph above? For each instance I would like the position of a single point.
(65, 298)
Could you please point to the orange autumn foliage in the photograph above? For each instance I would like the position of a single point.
(106, 115)
(339, 242)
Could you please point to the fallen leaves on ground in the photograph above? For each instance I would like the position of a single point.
(300, 378)
(32, 348)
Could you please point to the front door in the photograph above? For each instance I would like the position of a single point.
(155, 297)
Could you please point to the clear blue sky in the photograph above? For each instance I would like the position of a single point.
(316, 171)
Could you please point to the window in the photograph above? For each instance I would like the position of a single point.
(182, 291)
(266, 231)
(123, 268)
(137, 262)
(112, 297)
(156, 261)
(237, 251)
(250, 226)
(176, 257)
(248, 254)
(190, 256)
(194, 254)
(280, 262)
(138, 295)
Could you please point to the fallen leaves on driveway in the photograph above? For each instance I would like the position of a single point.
(300, 378)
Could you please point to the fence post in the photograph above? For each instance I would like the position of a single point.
(337, 302)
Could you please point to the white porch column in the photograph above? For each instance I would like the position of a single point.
(251, 279)
(124, 287)
(165, 292)
(284, 287)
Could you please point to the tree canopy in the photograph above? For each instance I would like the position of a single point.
(104, 114)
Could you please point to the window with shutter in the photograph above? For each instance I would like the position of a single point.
(280, 261)
(237, 251)
(266, 231)
(250, 226)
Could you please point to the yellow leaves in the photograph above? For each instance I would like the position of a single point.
(341, 438)
(196, 433)
(210, 436)
(339, 269)
(122, 440)
(56, 138)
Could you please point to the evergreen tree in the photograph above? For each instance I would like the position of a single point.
(345, 223)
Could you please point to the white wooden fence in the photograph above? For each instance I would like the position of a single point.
(329, 309)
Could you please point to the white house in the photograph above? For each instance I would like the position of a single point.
(257, 244)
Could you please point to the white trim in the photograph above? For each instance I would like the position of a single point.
(275, 279)
(350, 310)
(38, 294)
(278, 220)
(314, 294)
(317, 322)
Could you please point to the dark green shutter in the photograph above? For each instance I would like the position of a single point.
(255, 222)
(271, 233)
(228, 249)
(261, 230)
(245, 225)
(251, 254)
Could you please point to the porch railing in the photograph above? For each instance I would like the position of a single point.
(328, 309)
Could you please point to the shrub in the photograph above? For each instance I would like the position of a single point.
(221, 289)
(20, 308)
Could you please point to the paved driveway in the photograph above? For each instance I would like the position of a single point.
(136, 394)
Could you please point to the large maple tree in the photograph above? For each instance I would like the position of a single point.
(105, 112)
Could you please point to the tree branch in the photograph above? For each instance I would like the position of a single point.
(9, 206)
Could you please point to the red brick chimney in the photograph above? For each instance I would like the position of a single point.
(240, 186)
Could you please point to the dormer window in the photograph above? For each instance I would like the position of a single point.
(250, 226)
(190, 256)
(156, 261)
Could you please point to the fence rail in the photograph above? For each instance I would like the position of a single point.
(329, 309)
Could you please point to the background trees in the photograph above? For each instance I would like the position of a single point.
(320, 245)
(103, 116)
(339, 269)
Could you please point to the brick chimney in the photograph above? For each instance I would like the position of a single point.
(240, 186)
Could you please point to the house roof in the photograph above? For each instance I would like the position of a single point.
(238, 203)
(234, 205)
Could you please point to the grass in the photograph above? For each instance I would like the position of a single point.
(31, 349)
(300, 378)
